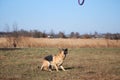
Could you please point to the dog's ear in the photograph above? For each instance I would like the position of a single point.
(66, 49)
(60, 49)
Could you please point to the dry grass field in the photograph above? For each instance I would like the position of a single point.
(88, 59)
(80, 63)
(58, 42)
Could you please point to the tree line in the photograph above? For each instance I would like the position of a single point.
(39, 34)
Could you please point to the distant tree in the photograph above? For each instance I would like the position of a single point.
(24, 33)
(86, 36)
(108, 35)
(44, 35)
(61, 35)
(95, 34)
(77, 35)
(115, 36)
(74, 35)
(36, 34)
(52, 34)
(13, 38)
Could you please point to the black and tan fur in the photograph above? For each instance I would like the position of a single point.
(56, 61)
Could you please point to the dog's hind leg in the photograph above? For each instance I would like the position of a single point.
(50, 68)
(56, 67)
(45, 65)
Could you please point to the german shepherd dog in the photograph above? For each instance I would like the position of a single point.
(55, 61)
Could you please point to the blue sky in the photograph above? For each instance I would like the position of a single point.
(61, 15)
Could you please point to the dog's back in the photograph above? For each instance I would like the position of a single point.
(49, 58)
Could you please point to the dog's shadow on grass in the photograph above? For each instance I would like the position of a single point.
(74, 67)
(69, 68)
